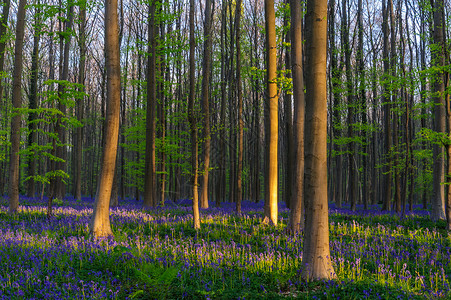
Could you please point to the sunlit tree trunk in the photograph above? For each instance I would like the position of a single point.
(296, 221)
(316, 262)
(100, 221)
(17, 103)
(273, 98)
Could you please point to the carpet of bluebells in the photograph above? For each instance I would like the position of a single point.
(157, 255)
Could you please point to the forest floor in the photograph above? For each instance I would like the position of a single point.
(157, 255)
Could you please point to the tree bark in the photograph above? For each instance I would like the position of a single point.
(17, 103)
(387, 115)
(316, 262)
(273, 99)
(296, 221)
(150, 181)
(32, 103)
(80, 105)
(239, 171)
(205, 98)
(438, 59)
(100, 222)
(192, 119)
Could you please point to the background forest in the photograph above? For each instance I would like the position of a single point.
(381, 106)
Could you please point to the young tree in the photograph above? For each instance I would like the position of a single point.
(316, 262)
(296, 221)
(17, 103)
(273, 99)
(100, 221)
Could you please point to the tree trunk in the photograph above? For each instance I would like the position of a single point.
(438, 59)
(150, 181)
(80, 104)
(205, 98)
(32, 103)
(290, 148)
(239, 171)
(60, 130)
(100, 222)
(387, 115)
(17, 103)
(316, 262)
(296, 221)
(273, 99)
(192, 119)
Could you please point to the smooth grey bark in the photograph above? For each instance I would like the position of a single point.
(100, 221)
(17, 103)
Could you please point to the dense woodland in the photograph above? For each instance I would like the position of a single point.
(294, 104)
(386, 77)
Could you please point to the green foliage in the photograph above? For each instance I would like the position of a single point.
(46, 118)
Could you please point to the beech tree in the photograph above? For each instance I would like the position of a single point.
(316, 262)
(17, 103)
(150, 183)
(205, 96)
(273, 99)
(100, 221)
(193, 120)
(438, 55)
(296, 221)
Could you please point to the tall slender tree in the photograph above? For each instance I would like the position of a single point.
(316, 262)
(205, 98)
(296, 202)
(100, 221)
(239, 95)
(79, 105)
(17, 103)
(32, 100)
(150, 181)
(273, 99)
(438, 60)
(193, 119)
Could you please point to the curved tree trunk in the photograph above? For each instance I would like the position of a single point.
(100, 222)
(316, 262)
